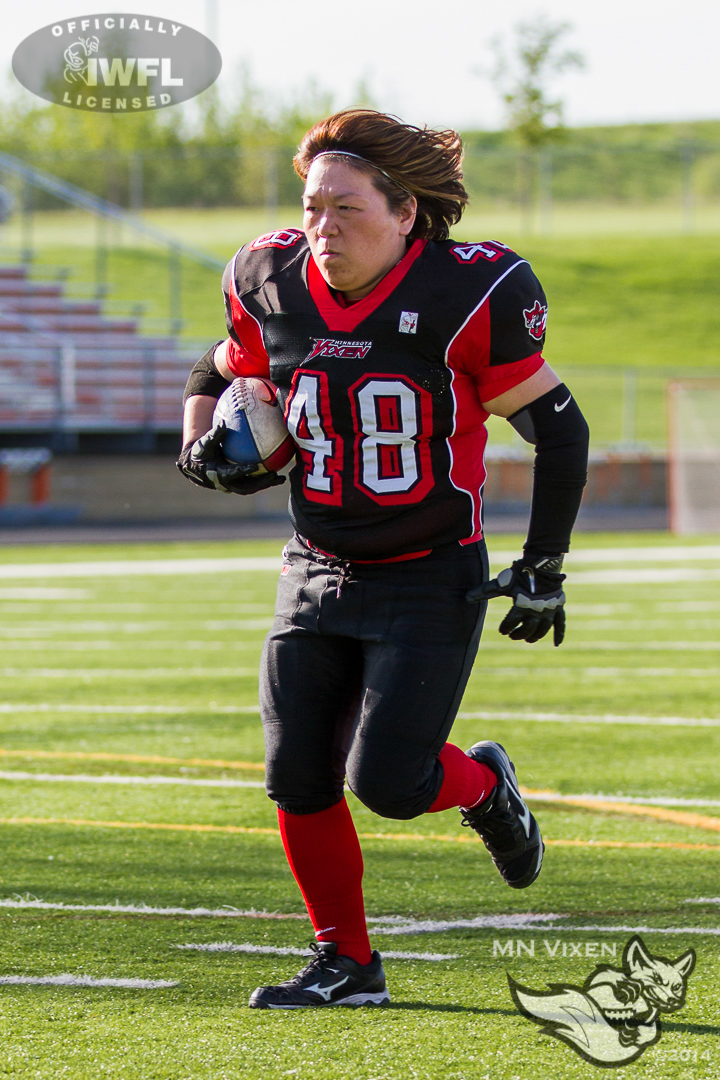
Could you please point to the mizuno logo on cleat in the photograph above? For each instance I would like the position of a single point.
(525, 818)
(325, 991)
(523, 812)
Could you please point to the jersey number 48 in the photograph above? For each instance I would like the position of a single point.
(392, 421)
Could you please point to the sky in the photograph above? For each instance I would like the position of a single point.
(644, 61)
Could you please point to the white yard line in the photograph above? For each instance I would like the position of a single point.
(135, 673)
(704, 900)
(135, 645)
(709, 552)
(252, 672)
(41, 592)
(172, 567)
(601, 672)
(535, 796)
(581, 718)
(123, 710)
(39, 644)
(42, 630)
(605, 646)
(226, 912)
(381, 924)
(654, 624)
(94, 645)
(113, 778)
(85, 980)
(530, 923)
(640, 800)
(713, 931)
(641, 576)
(138, 567)
(272, 950)
(399, 925)
(82, 778)
(392, 925)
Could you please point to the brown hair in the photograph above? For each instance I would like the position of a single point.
(413, 161)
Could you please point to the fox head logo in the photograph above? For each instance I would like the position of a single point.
(536, 320)
(613, 1017)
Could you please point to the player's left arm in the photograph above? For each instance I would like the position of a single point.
(201, 459)
(544, 413)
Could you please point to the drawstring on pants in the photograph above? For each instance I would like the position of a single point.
(344, 577)
(332, 562)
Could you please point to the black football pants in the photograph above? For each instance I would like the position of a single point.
(362, 675)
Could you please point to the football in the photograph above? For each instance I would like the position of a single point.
(256, 432)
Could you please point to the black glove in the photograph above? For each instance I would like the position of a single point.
(535, 585)
(204, 463)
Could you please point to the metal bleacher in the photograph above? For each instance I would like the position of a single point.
(67, 370)
(65, 367)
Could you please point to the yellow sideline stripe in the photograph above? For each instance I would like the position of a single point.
(172, 827)
(632, 844)
(245, 830)
(678, 817)
(147, 759)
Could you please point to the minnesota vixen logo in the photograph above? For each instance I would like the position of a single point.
(345, 350)
(283, 238)
(613, 1017)
(535, 319)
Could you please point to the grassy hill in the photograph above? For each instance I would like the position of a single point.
(635, 135)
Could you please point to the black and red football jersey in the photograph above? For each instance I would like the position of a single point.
(384, 396)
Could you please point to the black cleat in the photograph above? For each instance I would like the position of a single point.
(327, 980)
(503, 822)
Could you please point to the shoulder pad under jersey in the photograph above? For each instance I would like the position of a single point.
(470, 253)
(269, 254)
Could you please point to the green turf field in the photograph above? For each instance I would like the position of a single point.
(137, 676)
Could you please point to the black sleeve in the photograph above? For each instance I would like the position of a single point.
(554, 424)
(205, 377)
(518, 314)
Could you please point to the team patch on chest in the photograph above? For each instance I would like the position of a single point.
(344, 350)
(408, 322)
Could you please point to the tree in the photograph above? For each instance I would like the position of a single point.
(533, 117)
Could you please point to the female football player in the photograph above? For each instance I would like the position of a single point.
(390, 345)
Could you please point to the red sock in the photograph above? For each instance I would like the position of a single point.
(466, 782)
(324, 855)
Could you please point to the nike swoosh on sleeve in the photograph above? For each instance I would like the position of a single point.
(559, 408)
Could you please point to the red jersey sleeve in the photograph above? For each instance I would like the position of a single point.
(246, 354)
(497, 381)
(500, 344)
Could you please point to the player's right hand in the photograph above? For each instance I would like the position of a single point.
(204, 463)
(535, 586)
